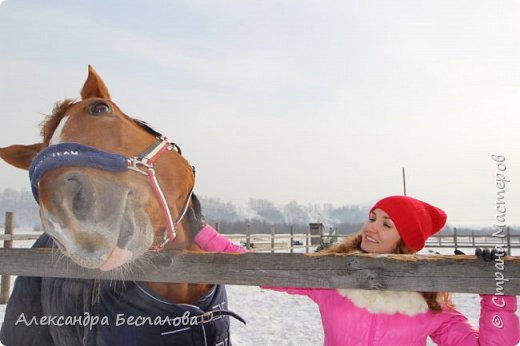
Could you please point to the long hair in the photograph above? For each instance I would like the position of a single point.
(435, 300)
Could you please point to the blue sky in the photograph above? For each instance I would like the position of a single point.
(313, 101)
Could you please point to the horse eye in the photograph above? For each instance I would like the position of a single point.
(100, 108)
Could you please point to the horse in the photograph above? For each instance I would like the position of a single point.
(111, 189)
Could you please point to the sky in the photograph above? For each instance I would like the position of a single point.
(307, 101)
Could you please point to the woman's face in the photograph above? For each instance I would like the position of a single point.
(379, 233)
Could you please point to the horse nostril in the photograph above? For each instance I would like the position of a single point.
(79, 204)
(80, 193)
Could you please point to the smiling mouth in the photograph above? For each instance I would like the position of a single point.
(370, 239)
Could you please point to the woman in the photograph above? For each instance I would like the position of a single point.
(396, 224)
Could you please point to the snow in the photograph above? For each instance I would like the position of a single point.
(275, 318)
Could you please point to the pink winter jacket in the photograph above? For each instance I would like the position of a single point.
(345, 324)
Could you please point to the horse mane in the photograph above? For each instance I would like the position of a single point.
(51, 122)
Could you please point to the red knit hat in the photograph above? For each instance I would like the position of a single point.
(415, 220)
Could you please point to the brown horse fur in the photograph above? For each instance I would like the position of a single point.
(126, 193)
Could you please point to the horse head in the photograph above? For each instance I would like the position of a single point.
(109, 187)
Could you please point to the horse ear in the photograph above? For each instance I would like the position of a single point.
(94, 86)
(20, 156)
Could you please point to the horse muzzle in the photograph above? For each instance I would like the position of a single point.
(95, 219)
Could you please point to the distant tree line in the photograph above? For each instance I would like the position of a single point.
(22, 203)
(261, 215)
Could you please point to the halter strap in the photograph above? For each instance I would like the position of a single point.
(146, 160)
(76, 154)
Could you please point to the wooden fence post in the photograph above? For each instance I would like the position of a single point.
(273, 232)
(473, 238)
(5, 286)
(217, 227)
(455, 237)
(307, 237)
(316, 230)
(248, 237)
(292, 239)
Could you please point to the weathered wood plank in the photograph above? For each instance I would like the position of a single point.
(15, 237)
(5, 281)
(397, 272)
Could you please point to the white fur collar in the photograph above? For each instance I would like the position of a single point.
(387, 302)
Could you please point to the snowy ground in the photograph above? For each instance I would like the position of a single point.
(279, 319)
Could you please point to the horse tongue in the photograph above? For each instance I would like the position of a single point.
(117, 257)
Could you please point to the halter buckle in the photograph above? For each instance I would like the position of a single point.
(135, 162)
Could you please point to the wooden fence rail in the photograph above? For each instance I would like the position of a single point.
(433, 242)
(18, 237)
(395, 272)
(465, 274)
(267, 241)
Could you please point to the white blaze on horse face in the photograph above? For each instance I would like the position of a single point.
(54, 229)
(56, 136)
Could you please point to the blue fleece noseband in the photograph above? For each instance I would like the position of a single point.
(72, 154)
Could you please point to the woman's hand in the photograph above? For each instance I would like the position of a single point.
(489, 255)
(485, 253)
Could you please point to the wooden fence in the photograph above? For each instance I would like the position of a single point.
(465, 274)
(315, 235)
(5, 282)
